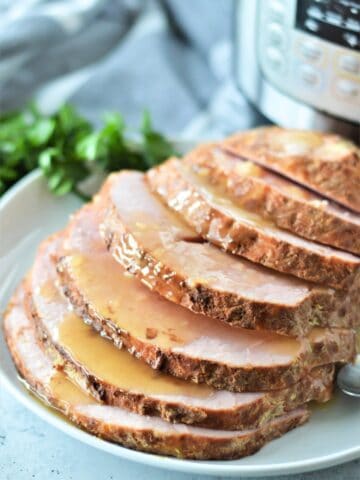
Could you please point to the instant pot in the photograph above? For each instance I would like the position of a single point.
(298, 61)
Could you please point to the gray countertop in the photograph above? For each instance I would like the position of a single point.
(32, 449)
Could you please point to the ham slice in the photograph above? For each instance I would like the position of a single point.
(172, 338)
(116, 378)
(324, 162)
(149, 434)
(153, 243)
(276, 199)
(216, 218)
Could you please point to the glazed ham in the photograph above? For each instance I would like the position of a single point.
(153, 243)
(171, 338)
(116, 378)
(216, 218)
(324, 162)
(149, 434)
(276, 199)
(189, 311)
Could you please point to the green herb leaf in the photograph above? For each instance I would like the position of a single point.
(86, 148)
(40, 133)
(46, 159)
(66, 148)
(65, 186)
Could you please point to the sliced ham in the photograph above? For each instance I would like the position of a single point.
(154, 321)
(153, 243)
(172, 338)
(216, 218)
(276, 199)
(116, 378)
(324, 162)
(149, 434)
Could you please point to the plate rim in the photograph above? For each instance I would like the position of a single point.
(167, 463)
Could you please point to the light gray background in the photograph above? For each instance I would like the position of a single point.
(171, 56)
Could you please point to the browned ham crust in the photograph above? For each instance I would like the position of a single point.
(173, 400)
(186, 345)
(130, 430)
(277, 199)
(216, 218)
(130, 285)
(325, 162)
(165, 254)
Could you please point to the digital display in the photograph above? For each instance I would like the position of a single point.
(337, 21)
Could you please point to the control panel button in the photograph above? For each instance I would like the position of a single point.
(310, 51)
(353, 24)
(276, 35)
(315, 12)
(350, 64)
(312, 25)
(309, 75)
(351, 39)
(347, 88)
(275, 59)
(333, 18)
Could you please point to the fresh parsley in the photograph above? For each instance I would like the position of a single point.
(68, 149)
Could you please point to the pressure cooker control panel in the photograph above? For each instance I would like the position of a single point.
(310, 50)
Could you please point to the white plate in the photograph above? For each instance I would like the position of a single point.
(27, 214)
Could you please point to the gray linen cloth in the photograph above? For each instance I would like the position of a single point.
(173, 57)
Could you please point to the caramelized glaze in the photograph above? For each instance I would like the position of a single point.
(118, 423)
(295, 142)
(61, 387)
(326, 163)
(245, 196)
(216, 195)
(241, 167)
(117, 367)
(197, 262)
(97, 355)
(218, 199)
(303, 143)
(132, 307)
(248, 169)
(300, 143)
